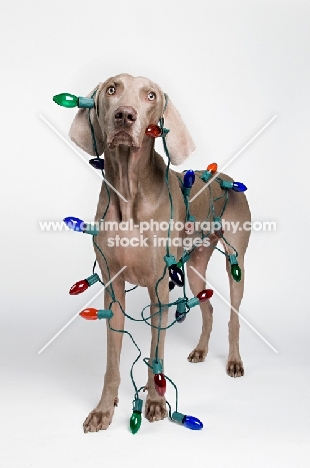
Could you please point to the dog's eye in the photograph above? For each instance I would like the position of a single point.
(111, 90)
(151, 96)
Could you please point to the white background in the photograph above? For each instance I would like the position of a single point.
(229, 67)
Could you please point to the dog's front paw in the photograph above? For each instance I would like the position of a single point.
(98, 419)
(155, 409)
(235, 368)
(198, 355)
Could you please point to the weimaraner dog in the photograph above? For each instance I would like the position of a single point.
(124, 107)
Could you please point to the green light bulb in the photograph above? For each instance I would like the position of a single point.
(66, 100)
(236, 272)
(135, 421)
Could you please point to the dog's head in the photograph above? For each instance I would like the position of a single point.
(124, 107)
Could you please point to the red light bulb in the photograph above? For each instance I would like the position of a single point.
(89, 314)
(189, 228)
(84, 284)
(212, 168)
(160, 383)
(204, 295)
(79, 287)
(153, 131)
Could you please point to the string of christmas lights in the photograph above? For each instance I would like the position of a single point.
(175, 268)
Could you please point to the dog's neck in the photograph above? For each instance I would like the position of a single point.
(138, 175)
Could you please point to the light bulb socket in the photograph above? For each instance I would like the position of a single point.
(192, 302)
(164, 131)
(157, 366)
(90, 229)
(233, 259)
(178, 417)
(206, 175)
(170, 260)
(181, 306)
(186, 191)
(92, 279)
(85, 103)
(137, 405)
(226, 184)
(104, 314)
(185, 257)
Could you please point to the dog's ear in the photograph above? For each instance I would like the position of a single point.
(80, 130)
(179, 141)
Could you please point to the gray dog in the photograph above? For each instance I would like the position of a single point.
(124, 107)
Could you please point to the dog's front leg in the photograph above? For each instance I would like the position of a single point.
(101, 417)
(155, 407)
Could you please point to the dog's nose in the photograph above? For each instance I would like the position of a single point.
(125, 116)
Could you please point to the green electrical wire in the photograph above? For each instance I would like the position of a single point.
(161, 306)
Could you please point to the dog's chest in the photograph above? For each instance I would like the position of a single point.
(138, 247)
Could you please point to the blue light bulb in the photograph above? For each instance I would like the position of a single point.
(187, 421)
(192, 423)
(75, 224)
(176, 275)
(97, 163)
(189, 179)
(171, 285)
(236, 186)
(239, 187)
(179, 316)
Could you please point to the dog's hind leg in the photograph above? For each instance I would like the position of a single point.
(100, 418)
(238, 237)
(234, 367)
(199, 260)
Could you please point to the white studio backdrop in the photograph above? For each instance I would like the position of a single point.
(229, 67)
